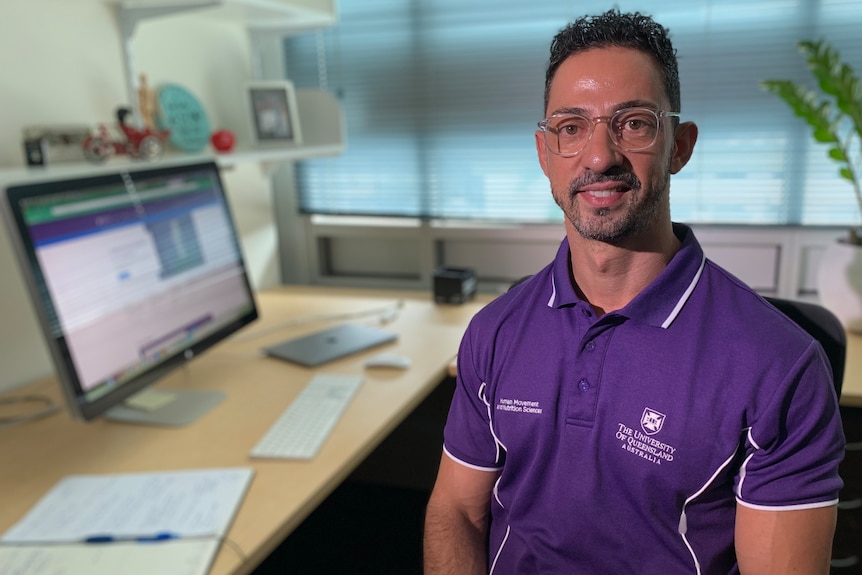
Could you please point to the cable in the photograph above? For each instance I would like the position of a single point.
(49, 409)
(228, 542)
(387, 314)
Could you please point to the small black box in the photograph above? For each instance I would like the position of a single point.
(454, 285)
(36, 152)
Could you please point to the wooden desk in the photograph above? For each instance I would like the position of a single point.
(851, 392)
(37, 454)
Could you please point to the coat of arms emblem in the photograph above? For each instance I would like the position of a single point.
(652, 421)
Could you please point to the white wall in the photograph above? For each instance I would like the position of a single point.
(61, 63)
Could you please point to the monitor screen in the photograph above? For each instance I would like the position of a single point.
(131, 273)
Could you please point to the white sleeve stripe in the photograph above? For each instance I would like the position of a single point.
(751, 439)
(470, 465)
(743, 473)
(497, 442)
(743, 469)
(796, 507)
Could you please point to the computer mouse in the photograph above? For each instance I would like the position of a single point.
(392, 360)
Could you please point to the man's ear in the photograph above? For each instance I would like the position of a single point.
(542, 151)
(684, 139)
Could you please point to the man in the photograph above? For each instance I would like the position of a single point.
(632, 408)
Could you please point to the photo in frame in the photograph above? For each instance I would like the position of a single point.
(274, 115)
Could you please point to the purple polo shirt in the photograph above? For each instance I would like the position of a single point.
(625, 441)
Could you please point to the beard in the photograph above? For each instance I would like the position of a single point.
(643, 205)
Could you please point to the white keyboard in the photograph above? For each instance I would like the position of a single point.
(306, 423)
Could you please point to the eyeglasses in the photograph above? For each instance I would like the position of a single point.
(631, 129)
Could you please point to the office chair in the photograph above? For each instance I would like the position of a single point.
(823, 326)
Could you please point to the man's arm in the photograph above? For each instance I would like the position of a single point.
(784, 542)
(456, 521)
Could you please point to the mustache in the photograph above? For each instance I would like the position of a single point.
(629, 179)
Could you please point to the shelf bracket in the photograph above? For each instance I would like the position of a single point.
(129, 15)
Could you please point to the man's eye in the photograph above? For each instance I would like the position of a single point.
(570, 128)
(636, 123)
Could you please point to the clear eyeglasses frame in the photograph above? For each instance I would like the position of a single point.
(630, 129)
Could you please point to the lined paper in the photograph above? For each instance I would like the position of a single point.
(187, 504)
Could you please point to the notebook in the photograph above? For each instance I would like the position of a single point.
(167, 522)
(330, 344)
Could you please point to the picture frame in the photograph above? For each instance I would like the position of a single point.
(274, 113)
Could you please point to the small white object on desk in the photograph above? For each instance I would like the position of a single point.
(389, 360)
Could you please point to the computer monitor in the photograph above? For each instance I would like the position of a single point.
(132, 274)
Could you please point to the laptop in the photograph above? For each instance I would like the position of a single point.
(330, 344)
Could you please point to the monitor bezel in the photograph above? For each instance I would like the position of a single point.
(30, 270)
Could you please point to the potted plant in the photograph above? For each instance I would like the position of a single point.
(835, 118)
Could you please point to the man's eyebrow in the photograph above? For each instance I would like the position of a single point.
(568, 110)
(620, 106)
(638, 104)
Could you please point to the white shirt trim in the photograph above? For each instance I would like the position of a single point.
(683, 522)
(470, 465)
(685, 295)
(500, 550)
(796, 507)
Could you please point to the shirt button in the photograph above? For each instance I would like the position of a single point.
(584, 385)
(591, 345)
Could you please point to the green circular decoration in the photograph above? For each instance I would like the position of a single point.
(181, 113)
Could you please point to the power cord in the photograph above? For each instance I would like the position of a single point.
(387, 314)
(228, 542)
(49, 408)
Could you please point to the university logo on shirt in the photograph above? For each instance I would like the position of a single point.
(652, 421)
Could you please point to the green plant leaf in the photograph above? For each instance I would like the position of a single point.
(835, 114)
(835, 79)
(823, 136)
(838, 154)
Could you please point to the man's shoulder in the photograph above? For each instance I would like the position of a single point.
(727, 303)
(522, 298)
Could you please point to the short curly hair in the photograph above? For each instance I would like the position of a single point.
(626, 30)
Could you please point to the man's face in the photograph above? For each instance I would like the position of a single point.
(608, 194)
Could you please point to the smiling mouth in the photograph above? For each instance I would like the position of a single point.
(602, 193)
(603, 190)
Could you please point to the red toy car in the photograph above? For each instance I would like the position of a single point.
(146, 144)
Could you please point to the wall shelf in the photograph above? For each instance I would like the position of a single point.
(320, 113)
(277, 15)
(322, 129)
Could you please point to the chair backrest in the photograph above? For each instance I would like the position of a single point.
(823, 326)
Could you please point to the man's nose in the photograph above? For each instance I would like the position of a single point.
(601, 152)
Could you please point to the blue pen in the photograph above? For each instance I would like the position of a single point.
(164, 536)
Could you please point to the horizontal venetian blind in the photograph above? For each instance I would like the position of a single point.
(441, 99)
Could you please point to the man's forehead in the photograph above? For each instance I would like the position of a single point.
(612, 74)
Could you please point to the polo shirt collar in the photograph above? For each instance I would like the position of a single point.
(660, 302)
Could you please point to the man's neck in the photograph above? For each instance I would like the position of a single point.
(610, 276)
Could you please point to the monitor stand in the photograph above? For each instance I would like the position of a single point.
(169, 407)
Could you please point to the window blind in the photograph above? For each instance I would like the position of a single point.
(441, 100)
